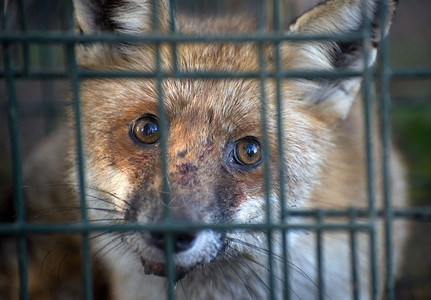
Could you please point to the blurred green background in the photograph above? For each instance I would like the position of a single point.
(410, 42)
(41, 102)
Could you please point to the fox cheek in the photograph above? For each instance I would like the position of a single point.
(239, 198)
(136, 162)
(232, 193)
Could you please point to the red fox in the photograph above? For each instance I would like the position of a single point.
(217, 154)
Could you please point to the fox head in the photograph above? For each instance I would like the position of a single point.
(215, 152)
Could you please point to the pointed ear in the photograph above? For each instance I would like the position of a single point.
(121, 16)
(115, 16)
(334, 97)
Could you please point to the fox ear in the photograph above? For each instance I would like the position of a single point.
(336, 17)
(116, 16)
(121, 16)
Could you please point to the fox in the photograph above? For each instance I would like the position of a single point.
(193, 151)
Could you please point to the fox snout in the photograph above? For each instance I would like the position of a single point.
(191, 201)
(190, 250)
(182, 241)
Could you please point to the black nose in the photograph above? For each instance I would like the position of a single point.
(182, 241)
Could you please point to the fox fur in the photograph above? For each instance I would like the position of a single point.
(209, 180)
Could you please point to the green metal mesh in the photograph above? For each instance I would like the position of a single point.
(11, 73)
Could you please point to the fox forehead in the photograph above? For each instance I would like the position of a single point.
(231, 104)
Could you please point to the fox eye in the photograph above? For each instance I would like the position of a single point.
(146, 129)
(247, 151)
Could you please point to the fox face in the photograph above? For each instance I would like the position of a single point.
(214, 160)
(194, 151)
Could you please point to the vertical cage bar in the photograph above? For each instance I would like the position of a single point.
(385, 136)
(76, 102)
(173, 25)
(161, 109)
(369, 146)
(13, 123)
(46, 59)
(169, 245)
(319, 255)
(354, 255)
(280, 150)
(25, 48)
(262, 79)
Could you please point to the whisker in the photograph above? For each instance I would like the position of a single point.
(46, 257)
(278, 257)
(259, 264)
(110, 194)
(254, 247)
(72, 186)
(57, 246)
(275, 276)
(55, 210)
(93, 237)
(95, 198)
(184, 290)
(225, 278)
(250, 269)
(61, 263)
(121, 220)
(323, 202)
(110, 243)
(240, 278)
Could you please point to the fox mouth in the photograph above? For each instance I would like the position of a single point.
(159, 269)
(204, 248)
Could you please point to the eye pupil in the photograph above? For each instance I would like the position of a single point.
(247, 151)
(146, 129)
(149, 129)
(250, 149)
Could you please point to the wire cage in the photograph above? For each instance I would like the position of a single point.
(39, 64)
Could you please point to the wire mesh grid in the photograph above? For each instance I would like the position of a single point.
(381, 76)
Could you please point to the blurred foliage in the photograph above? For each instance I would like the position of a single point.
(412, 127)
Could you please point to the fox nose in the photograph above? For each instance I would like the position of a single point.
(182, 241)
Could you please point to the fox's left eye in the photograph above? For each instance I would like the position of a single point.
(247, 151)
(146, 129)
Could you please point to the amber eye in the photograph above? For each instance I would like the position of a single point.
(146, 129)
(247, 151)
